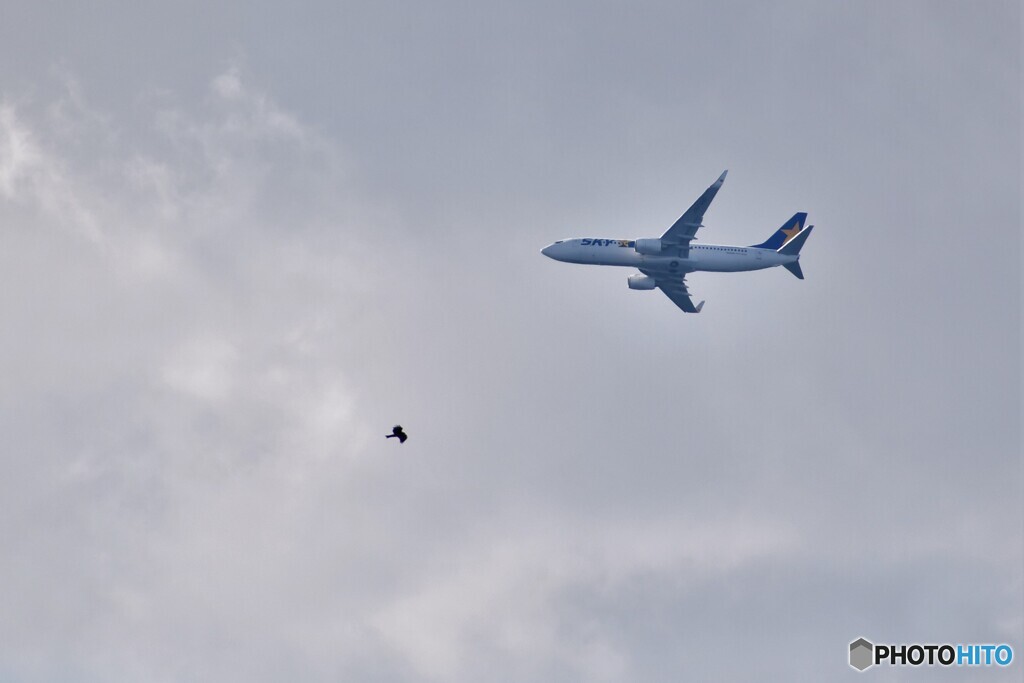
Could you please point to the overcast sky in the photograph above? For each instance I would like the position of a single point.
(238, 244)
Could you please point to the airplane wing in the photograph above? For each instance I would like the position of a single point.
(683, 230)
(674, 287)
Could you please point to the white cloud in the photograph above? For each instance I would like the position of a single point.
(207, 332)
(18, 152)
(202, 369)
(31, 175)
(251, 114)
(185, 342)
(505, 591)
(228, 85)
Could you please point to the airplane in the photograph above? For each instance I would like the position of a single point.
(664, 262)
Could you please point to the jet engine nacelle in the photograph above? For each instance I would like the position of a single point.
(649, 247)
(641, 281)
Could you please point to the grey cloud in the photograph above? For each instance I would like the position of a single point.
(232, 262)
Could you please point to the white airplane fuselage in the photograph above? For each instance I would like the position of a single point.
(715, 258)
(665, 262)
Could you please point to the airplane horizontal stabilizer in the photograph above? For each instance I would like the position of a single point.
(794, 268)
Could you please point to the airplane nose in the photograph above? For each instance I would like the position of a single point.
(547, 250)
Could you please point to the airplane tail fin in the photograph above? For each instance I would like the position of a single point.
(794, 268)
(792, 247)
(790, 228)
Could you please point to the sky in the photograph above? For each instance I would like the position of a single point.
(239, 242)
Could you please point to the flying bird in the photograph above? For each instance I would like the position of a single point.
(397, 432)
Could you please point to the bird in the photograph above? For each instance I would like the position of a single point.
(397, 431)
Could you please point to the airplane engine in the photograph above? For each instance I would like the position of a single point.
(649, 247)
(641, 282)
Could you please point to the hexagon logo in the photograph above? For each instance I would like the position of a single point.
(862, 654)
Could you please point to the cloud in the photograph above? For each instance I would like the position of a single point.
(31, 175)
(18, 153)
(203, 369)
(219, 293)
(177, 378)
(506, 597)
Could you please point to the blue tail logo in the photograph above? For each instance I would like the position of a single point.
(788, 231)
